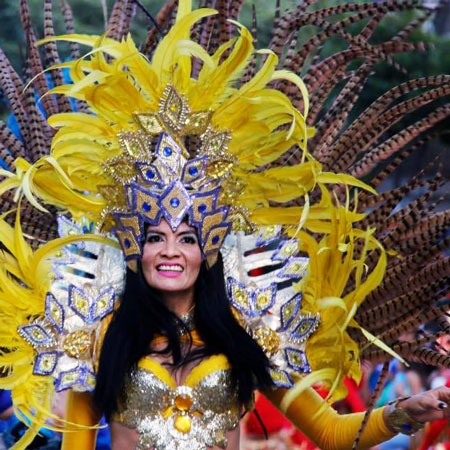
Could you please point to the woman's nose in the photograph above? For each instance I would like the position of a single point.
(171, 248)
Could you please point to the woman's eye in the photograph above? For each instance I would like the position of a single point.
(189, 240)
(153, 238)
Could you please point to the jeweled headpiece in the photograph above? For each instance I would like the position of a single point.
(161, 181)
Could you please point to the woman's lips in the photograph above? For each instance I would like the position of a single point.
(169, 270)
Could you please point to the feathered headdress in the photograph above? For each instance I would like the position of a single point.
(201, 136)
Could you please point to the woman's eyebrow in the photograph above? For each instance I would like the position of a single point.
(182, 233)
(161, 233)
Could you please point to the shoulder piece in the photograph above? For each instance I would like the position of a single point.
(260, 272)
(88, 278)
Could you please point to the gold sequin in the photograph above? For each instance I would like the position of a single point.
(267, 339)
(77, 343)
(183, 417)
(197, 122)
(149, 123)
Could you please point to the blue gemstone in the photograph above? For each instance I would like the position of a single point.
(202, 208)
(146, 207)
(127, 243)
(193, 170)
(150, 173)
(167, 151)
(215, 239)
(174, 202)
(85, 229)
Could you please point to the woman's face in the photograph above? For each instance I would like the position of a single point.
(171, 259)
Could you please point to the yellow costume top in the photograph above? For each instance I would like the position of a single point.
(195, 414)
(198, 413)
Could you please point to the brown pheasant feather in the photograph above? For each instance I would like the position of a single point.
(52, 56)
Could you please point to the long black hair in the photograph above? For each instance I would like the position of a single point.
(142, 315)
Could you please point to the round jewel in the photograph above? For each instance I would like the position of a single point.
(193, 171)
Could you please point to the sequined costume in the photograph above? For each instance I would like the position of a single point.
(327, 429)
(202, 128)
(192, 416)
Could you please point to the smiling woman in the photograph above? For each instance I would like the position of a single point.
(204, 251)
(171, 264)
(174, 326)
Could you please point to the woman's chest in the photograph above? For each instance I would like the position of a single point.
(196, 414)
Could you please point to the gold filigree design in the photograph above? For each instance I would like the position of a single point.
(267, 339)
(113, 194)
(122, 168)
(77, 344)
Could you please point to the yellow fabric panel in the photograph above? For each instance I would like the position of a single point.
(157, 369)
(81, 411)
(206, 367)
(329, 430)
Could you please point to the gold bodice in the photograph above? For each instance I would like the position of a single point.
(193, 416)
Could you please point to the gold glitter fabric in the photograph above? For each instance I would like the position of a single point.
(192, 416)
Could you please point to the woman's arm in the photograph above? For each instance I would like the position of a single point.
(329, 430)
(80, 410)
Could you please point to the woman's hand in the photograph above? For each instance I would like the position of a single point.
(428, 406)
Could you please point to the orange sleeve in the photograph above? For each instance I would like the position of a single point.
(329, 430)
(80, 410)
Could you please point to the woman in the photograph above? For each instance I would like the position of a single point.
(187, 168)
(181, 308)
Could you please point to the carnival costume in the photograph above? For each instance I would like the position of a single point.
(190, 130)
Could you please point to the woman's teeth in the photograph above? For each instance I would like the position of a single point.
(166, 268)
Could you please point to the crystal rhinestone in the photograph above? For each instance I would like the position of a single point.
(47, 362)
(70, 378)
(167, 151)
(102, 303)
(183, 402)
(146, 207)
(175, 202)
(150, 173)
(262, 300)
(182, 424)
(81, 303)
(37, 334)
(193, 171)
(127, 243)
(290, 249)
(55, 312)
